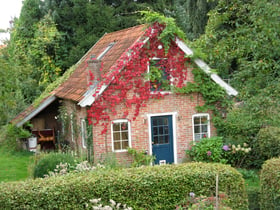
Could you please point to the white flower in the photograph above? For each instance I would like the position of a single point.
(112, 202)
(95, 201)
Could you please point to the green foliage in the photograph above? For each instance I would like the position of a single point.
(171, 30)
(11, 95)
(10, 134)
(269, 142)
(207, 150)
(191, 16)
(49, 162)
(158, 79)
(110, 161)
(140, 158)
(157, 187)
(252, 185)
(240, 42)
(214, 96)
(270, 184)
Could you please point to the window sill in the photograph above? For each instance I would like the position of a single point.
(120, 151)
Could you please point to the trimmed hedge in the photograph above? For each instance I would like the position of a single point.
(151, 187)
(270, 184)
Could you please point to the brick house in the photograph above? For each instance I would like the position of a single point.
(164, 127)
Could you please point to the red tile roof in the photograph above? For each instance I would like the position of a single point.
(76, 85)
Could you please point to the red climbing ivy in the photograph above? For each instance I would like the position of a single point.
(127, 82)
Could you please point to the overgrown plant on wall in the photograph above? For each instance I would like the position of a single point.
(70, 130)
(127, 86)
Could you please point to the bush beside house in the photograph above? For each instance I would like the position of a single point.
(270, 184)
(158, 187)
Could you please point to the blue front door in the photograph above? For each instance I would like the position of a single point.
(162, 139)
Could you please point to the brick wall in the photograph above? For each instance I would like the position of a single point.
(183, 105)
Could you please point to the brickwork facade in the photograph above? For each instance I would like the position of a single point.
(182, 107)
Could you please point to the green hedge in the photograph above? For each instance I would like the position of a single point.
(157, 187)
(270, 184)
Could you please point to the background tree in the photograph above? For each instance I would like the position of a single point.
(9, 90)
(240, 42)
(191, 16)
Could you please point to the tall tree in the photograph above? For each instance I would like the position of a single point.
(191, 16)
(241, 43)
(11, 96)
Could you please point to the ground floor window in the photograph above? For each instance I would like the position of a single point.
(201, 126)
(120, 135)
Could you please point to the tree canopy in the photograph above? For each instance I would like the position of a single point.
(241, 42)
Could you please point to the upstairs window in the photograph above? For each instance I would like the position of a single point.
(120, 135)
(159, 75)
(201, 126)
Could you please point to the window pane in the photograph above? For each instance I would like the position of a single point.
(124, 144)
(204, 120)
(116, 136)
(160, 130)
(161, 139)
(117, 145)
(116, 127)
(156, 140)
(204, 128)
(196, 120)
(196, 129)
(165, 121)
(155, 131)
(166, 130)
(197, 137)
(155, 122)
(124, 135)
(124, 126)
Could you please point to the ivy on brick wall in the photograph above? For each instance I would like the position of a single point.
(128, 88)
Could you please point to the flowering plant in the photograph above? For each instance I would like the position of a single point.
(194, 202)
(237, 154)
(208, 150)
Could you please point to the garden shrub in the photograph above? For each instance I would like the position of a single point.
(269, 141)
(207, 150)
(215, 150)
(10, 135)
(49, 162)
(270, 184)
(140, 158)
(148, 187)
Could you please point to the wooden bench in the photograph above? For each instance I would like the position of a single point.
(45, 135)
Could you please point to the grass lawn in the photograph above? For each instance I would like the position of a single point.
(14, 165)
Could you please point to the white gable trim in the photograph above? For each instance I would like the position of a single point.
(202, 65)
(37, 110)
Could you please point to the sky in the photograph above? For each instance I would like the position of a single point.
(8, 10)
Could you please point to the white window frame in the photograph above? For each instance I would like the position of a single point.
(129, 134)
(83, 132)
(208, 124)
(171, 78)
